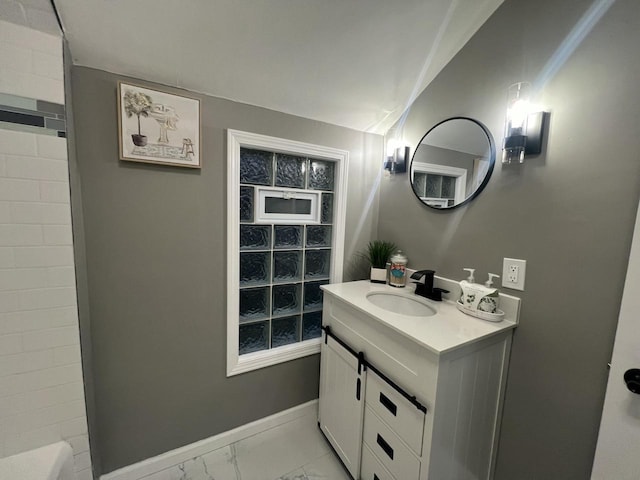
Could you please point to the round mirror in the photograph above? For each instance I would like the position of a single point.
(452, 163)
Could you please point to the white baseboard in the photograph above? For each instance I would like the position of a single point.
(182, 454)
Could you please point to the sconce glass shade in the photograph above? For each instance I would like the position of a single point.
(515, 132)
(393, 144)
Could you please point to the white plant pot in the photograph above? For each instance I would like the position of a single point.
(378, 275)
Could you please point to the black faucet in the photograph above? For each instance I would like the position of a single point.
(426, 289)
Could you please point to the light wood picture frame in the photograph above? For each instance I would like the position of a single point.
(158, 127)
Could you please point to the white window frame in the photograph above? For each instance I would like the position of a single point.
(236, 363)
(261, 216)
(459, 173)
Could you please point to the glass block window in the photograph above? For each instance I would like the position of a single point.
(253, 337)
(290, 171)
(283, 266)
(311, 325)
(255, 237)
(327, 207)
(435, 189)
(287, 266)
(255, 304)
(246, 204)
(254, 268)
(318, 236)
(256, 167)
(321, 175)
(287, 236)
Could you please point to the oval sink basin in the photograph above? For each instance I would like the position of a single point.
(400, 304)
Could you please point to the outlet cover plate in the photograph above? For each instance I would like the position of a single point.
(513, 273)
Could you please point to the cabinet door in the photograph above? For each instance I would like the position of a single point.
(341, 413)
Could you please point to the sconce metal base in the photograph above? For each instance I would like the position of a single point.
(517, 146)
(536, 126)
(397, 163)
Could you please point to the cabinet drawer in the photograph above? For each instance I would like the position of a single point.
(389, 449)
(403, 417)
(372, 469)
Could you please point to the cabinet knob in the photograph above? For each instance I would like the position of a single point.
(632, 380)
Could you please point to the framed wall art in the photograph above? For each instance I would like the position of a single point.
(158, 127)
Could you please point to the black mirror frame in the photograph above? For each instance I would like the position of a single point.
(492, 162)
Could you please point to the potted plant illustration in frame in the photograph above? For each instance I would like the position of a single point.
(175, 118)
(138, 104)
(378, 253)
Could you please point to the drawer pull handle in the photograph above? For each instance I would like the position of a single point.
(388, 404)
(385, 446)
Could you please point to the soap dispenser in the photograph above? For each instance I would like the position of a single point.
(465, 283)
(489, 282)
(480, 301)
(471, 271)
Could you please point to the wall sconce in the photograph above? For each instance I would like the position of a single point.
(397, 156)
(524, 130)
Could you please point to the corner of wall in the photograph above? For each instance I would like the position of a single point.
(80, 255)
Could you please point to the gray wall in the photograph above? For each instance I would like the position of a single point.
(155, 258)
(569, 212)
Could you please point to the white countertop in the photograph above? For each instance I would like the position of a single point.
(447, 330)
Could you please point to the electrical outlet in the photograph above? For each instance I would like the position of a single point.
(513, 271)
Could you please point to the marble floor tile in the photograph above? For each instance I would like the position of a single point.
(293, 451)
(221, 465)
(327, 467)
(297, 475)
(194, 469)
(216, 465)
(161, 475)
(271, 454)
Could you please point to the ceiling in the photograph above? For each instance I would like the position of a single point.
(34, 14)
(354, 63)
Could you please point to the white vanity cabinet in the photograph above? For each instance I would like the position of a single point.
(342, 390)
(430, 388)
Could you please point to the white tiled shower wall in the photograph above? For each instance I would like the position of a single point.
(41, 389)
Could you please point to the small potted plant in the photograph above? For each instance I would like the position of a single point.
(138, 104)
(378, 253)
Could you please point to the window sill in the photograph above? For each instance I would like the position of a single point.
(266, 358)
